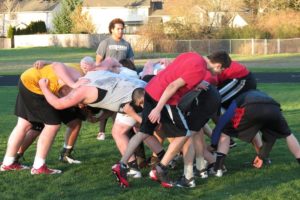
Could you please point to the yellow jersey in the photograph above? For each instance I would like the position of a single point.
(30, 78)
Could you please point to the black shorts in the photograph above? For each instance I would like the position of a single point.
(66, 115)
(71, 114)
(234, 87)
(266, 118)
(172, 120)
(35, 108)
(204, 106)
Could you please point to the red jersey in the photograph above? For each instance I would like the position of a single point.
(191, 67)
(235, 70)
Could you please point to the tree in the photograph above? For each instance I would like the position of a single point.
(262, 7)
(11, 6)
(198, 18)
(62, 20)
(81, 21)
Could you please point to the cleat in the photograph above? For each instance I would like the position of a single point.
(201, 173)
(232, 143)
(101, 136)
(219, 172)
(66, 157)
(44, 170)
(121, 174)
(16, 166)
(69, 159)
(186, 183)
(161, 175)
(259, 163)
(152, 175)
(134, 173)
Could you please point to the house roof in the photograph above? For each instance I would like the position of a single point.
(29, 5)
(115, 3)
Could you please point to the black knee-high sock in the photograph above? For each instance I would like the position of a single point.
(220, 161)
(161, 154)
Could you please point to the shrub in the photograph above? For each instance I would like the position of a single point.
(32, 28)
(11, 31)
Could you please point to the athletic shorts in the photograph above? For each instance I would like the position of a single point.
(35, 108)
(66, 115)
(172, 119)
(266, 118)
(70, 114)
(204, 106)
(234, 87)
(125, 119)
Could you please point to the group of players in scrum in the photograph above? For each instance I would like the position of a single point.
(177, 102)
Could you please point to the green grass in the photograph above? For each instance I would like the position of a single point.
(93, 178)
(15, 61)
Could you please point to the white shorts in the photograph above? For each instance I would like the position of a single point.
(125, 119)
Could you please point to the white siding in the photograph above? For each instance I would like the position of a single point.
(102, 16)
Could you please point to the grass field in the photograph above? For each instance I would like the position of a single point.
(15, 61)
(93, 179)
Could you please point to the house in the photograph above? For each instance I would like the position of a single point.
(134, 12)
(239, 20)
(21, 13)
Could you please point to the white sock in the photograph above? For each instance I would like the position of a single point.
(188, 171)
(200, 163)
(38, 162)
(67, 146)
(8, 160)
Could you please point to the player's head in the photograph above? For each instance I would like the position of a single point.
(128, 64)
(86, 64)
(138, 97)
(218, 61)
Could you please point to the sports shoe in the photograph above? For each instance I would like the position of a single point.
(173, 163)
(186, 183)
(45, 170)
(13, 167)
(201, 173)
(120, 171)
(69, 159)
(101, 136)
(66, 157)
(232, 143)
(259, 163)
(219, 172)
(134, 173)
(160, 175)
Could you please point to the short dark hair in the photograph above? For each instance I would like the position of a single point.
(220, 57)
(137, 94)
(127, 63)
(114, 22)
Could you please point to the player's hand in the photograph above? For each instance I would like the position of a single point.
(202, 86)
(81, 81)
(39, 64)
(43, 82)
(154, 116)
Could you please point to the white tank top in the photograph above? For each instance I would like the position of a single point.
(119, 88)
